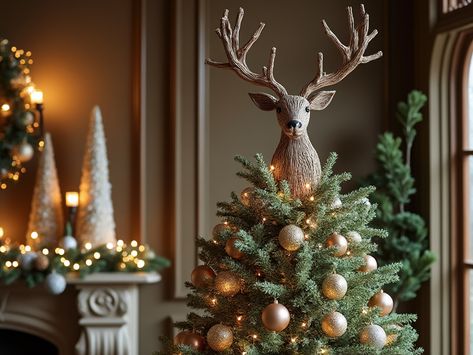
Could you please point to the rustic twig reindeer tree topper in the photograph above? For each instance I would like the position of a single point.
(295, 159)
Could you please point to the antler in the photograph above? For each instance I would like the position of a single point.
(237, 56)
(353, 54)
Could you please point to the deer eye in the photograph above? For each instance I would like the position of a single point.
(307, 109)
(278, 109)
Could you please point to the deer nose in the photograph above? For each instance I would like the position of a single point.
(294, 124)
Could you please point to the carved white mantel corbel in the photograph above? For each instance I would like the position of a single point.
(108, 308)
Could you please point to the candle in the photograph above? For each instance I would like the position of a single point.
(37, 97)
(72, 199)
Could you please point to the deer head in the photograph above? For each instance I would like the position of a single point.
(295, 158)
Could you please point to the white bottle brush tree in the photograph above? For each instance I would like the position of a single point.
(95, 220)
(289, 271)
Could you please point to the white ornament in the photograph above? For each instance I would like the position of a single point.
(68, 242)
(354, 237)
(27, 260)
(373, 335)
(23, 152)
(337, 203)
(46, 218)
(95, 221)
(55, 283)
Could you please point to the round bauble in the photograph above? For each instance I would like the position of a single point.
(227, 283)
(23, 152)
(68, 242)
(220, 337)
(339, 242)
(373, 335)
(232, 250)
(334, 324)
(25, 119)
(383, 301)
(219, 229)
(291, 237)
(27, 260)
(275, 317)
(334, 287)
(194, 340)
(55, 283)
(247, 196)
(354, 237)
(202, 276)
(369, 265)
(337, 203)
(41, 262)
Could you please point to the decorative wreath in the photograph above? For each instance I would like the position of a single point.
(20, 113)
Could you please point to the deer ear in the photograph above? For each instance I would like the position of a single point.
(265, 102)
(321, 100)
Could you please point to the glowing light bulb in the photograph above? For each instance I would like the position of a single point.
(34, 235)
(97, 255)
(140, 264)
(15, 263)
(134, 243)
(88, 262)
(67, 263)
(88, 246)
(5, 107)
(110, 246)
(76, 266)
(36, 96)
(45, 251)
(2, 232)
(72, 199)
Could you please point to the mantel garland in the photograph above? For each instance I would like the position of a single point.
(20, 113)
(20, 262)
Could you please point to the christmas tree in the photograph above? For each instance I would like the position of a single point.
(289, 271)
(46, 218)
(95, 221)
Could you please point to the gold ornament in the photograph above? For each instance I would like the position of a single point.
(373, 335)
(23, 152)
(369, 265)
(220, 337)
(383, 301)
(354, 237)
(339, 242)
(334, 287)
(219, 229)
(227, 283)
(246, 196)
(232, 250)
(275, 317)
(41, 262)
(291, 237)
(194, 340)
(202, 276)
(334, 324)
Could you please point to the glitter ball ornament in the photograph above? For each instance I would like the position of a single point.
(291, 237)
(194, 340)
(27, 260)
(339, 242)
(68, 243)
(232, 250)
(23, 152)
(373, 335)
(202, 276)
(334, 324)
(55, 283)
(227, 283)
(334, 287)
(41, 262)
(219, 229)
(354, 237)
(275, 317)
(246, 196)
(383, 301)
(369, 265)
(220, 337)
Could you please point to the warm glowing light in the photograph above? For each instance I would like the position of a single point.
(348, 252)
(3, 186)
(37, 97)
(3, 249)
(8, 263)
(72, 199)
(109, 245)
(134, 253)
(97, 255)
(76, 266)
(15, 263)
(312, 198)
(307, 221)
(304, 324)
(307, 186)
(2, 232)
(272, 167)
(5, 107)
(293, 340)
(142, 248)
(140, 264)
(134, 243)
(88, 245)
(254, 336)
(213, 301)
(122, 266)
(27, 248)
(34, 235)
(306, 236)
(67, 263)
(239, 318)
(45, 251)
(88, 262)
(120, 243)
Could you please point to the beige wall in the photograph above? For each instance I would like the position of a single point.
(83, 56)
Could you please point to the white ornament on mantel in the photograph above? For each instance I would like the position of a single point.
(108, 307)
(46, 216)
(95, 220)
